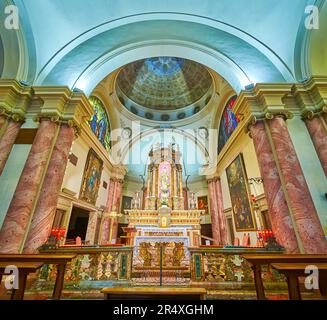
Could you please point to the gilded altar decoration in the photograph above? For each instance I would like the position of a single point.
(145, 254)
(240, 196)
(99, 122)
(178, 254)
(91, 178)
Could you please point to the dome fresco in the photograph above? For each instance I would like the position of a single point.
(164, 83)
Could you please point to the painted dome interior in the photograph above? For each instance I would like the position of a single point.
(164, 85)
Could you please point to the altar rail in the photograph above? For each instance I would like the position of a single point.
(212, 266)
(91, 266)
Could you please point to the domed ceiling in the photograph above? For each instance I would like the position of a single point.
(156, 87)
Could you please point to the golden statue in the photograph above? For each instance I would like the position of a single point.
(145, 254)
(178, 254)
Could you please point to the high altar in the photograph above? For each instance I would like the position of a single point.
(164, 222)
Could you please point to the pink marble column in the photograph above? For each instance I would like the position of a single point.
(214, 212)
(45, 211)
(7, 142)
(118, 196)
(319, 138)
(277, 206)
(324, 115)
(106, 220)
(21, 207)
(3, 121)
(116, 208)
(303, 209)
(221, 214)
(114, 233)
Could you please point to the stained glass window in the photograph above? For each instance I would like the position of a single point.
(99, 122)
(228, 124)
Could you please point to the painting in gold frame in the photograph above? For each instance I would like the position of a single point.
(239, 191)
(203, 204)
(91, 178)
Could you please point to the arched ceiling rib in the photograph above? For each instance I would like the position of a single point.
(251, 61)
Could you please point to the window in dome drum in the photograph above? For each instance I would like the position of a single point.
(181, 116)
(196, 110)
(165, 117)
(149, 115)
(134, 110)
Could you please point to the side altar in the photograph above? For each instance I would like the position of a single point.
(164, 225)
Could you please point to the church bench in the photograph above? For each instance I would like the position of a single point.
(257, 260)
(154, 293)
(48, 259)
(293, 271)
(24, 269)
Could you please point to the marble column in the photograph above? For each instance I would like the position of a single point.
(114, 232)
(221, 214)
(185, 195)
(303, 209)
(91, 228)
(318, 135)
(180, 179)
(280, 217)
(214, 212)
(21, 207)
(3, 122)
(45, 211)
(7, 141)
(105, 226)
(154, 182)
(118, 196)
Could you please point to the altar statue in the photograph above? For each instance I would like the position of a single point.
(145, 254)
(178, 254)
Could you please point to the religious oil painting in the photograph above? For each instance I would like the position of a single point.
(99, 122)
(203, 204)
(239, 191)
(91, 178)
(126, 204)
(228, 123)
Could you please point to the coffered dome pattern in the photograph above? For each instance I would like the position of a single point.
(164, 83)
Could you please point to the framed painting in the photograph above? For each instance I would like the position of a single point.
(91, 178)
(126, 204)
(203, 204)
(240, 196)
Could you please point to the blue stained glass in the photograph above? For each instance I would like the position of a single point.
(228, 123)
(99, 122)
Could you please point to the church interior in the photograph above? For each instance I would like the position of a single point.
(163, 148)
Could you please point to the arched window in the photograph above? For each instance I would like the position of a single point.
(228, 123)
(99, 122)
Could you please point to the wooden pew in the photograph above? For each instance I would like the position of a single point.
(56, 259)
(257, 260)
(295, 270)
(153, 293)
(24, 269)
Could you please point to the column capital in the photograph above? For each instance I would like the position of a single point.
(311, 96)
(14, 99)
(310, 114)
(254, 119)
(63, 104)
